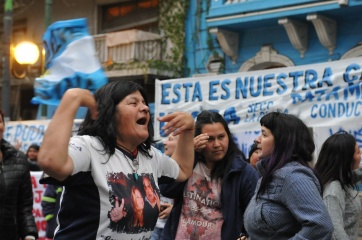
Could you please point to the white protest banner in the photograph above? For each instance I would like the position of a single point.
(325, 94)
(28, 132)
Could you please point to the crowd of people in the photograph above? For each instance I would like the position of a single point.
(112, 179)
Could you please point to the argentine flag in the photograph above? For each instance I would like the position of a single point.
(71, 62)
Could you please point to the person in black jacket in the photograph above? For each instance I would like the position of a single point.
(16, 193)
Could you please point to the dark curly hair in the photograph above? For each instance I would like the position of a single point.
(107, 98)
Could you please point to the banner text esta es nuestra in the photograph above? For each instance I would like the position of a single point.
(294, 83)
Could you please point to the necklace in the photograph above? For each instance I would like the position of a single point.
(134, 153)
(135, 163)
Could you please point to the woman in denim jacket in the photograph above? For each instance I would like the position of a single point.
(287, 203)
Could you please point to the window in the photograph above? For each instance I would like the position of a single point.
(266, 58)
(136, 14)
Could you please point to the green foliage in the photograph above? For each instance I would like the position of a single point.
(172, 20)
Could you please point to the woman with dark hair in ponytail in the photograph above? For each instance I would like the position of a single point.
(288, 201)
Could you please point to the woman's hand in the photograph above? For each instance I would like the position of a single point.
(84, 98)
(183, 125)
(177, 122)
(117, 212)
(200, 141)
(166, 211)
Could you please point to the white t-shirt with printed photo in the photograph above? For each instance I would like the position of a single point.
(97, 181)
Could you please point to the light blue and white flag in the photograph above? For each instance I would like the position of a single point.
(71, 62)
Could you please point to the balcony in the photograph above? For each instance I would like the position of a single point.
(133, 53)
(239, 15)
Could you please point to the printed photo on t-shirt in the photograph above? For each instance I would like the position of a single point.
(135, 202)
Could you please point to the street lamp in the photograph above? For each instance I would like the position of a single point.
(26, 53)
(23, 56)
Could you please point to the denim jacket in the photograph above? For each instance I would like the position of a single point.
(291, 208)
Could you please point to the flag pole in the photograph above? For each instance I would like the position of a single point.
(47, 21)
(6, 87)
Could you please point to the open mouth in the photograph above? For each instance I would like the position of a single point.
(142, 121)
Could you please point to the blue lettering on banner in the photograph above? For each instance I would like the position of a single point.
(194, 114)
(230, 116)
(242, 87)
(318, 95)
(322, 91)
(267, 84)
(257, 110)
(327, 78)
(24, 134)
(348, 76)
(225, 86)
(197, 92)
(29, 133)
(262, 85)
(281, 83)
(351, 90)
(336, 110)
(165, 93)
(255, 90)
(311, 77)
(254, 117)
(187, 87)
(176, 91)
(260, 106)
(213, 90)
(295, 76)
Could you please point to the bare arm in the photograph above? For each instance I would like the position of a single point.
(53, 156)
(182, 124)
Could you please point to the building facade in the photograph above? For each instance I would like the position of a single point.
(163, 39)
(130, 41)
(246, 35)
